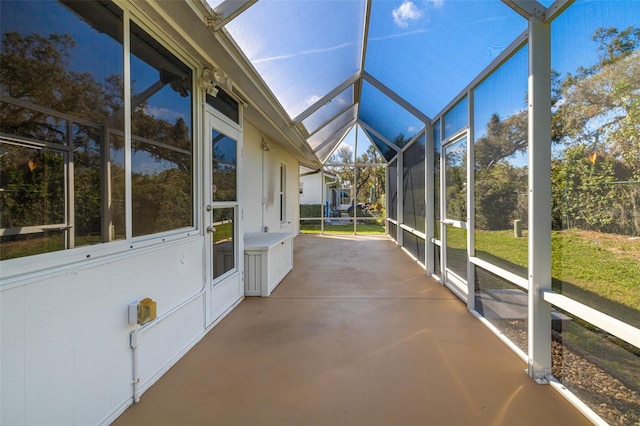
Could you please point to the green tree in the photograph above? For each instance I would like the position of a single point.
(596, 117)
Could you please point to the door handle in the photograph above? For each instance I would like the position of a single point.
(210, 229)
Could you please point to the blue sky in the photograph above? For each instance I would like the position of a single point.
(426, 51)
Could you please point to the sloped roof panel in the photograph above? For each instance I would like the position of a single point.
(428, 51)
(384, 149)
(326, 133)
(328, 111)
(301, 49)
(387, 117)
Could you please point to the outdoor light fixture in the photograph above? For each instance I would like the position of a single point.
(210, 80)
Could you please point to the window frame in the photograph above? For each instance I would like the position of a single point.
(12, 271)
(283, 194)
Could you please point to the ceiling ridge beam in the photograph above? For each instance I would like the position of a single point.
(527, 8)
(556, 9)
(327, 98)
(397, 99)
(365, 36)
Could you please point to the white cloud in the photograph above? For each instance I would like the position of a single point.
(406, 13)
(304, 52)
(313, 99)
(436, 3)
(163, 113)
(408, 33)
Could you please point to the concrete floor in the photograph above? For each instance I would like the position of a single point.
(356, 334)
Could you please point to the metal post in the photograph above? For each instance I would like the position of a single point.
(470, 219)
(399, 198)
(429, 201)
(539, 199)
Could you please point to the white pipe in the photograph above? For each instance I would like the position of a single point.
(136, 339)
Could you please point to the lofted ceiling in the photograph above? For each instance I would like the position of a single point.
(389, 66)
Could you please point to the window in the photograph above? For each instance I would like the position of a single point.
(62, 135)
(161, 142)
(61, 121)
(283, 195)
(224, 198)
(224, 103)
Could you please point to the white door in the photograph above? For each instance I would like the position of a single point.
(454, 232)
(224, 236)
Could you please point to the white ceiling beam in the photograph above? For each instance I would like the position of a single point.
(365, 37)
(527, 8)
(397, 99)
(337, 134)
(327, 98)
(329, 121)
(378, 135)
(421, 133)
(556, 9)
(335, 148)
(226, 11)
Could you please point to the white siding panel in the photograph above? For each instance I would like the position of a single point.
(12, 357)
(162, 345)
(49, 357)
(65, 343)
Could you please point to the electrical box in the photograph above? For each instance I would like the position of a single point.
(142, 312)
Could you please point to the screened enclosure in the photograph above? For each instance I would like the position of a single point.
(495, 142)
(529, 213)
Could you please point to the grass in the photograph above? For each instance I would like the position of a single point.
(38, 244)
(599, 270)
(370, 228)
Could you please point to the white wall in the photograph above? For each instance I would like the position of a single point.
(312, 189)
(262, 185)
(65, 349)
(65, 346)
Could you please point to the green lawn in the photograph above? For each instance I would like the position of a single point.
(599, 270)
(368, 228)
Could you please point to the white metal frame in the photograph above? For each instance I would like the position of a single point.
(539, 315)
(220, 123)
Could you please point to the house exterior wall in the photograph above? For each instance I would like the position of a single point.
(262, 185)
(311, 189)
(66, 345)
(66, 355)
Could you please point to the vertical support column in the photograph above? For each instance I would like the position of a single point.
(471, 224)
(127, 126)
(429, 201)
(355, 185)
(323, 192)
(539, 198)
(399, 198)
(387, 198)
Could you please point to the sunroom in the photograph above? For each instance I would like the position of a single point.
(161, 161)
